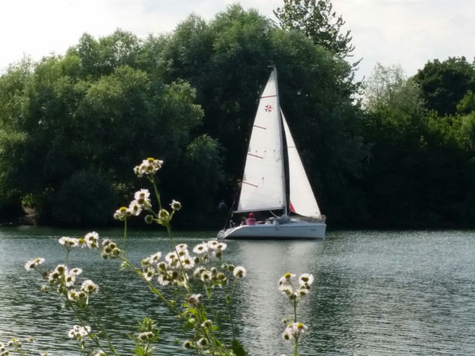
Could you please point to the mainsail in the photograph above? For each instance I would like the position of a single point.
(301, 198)
(263, 184)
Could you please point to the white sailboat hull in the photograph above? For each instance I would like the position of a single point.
(293, 230)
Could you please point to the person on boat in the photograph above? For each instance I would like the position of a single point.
(243, 221)
(251, 220)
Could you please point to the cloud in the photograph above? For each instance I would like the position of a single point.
(38, 28)
(406, 32)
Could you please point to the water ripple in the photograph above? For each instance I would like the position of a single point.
(375, 293)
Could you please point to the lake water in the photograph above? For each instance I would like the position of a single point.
(375, 293)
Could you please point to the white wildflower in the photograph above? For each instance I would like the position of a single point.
(69, 279)
(176, 205)
(145, 336)
(92, 239)
(286, 289)
(287, 335)
(298, 329)
(33, 263)
(198, 271)
(148, 274)
(286, 279)
(202, 343)
(76, 271)
(135, 208)
(182, 247)
(306, 279)
(122, 213)
(148, 166)
(207, 324)
(194, 300)
(171, 257)
(239, 272)
(294, 331)
(89, 287)
(221, 246)
(142, 194)
(79, 332)
(164, 279)
(206, 276)
(98, 353)
(164, 214)
(188, 263)
(187, 345)
(61, 269)
(53, 277)
(155, 258)
(68, 242)
(73, 295)
(212, 244)
(201, 248)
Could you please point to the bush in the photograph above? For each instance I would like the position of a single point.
(84, 197)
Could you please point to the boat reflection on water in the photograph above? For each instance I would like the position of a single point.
(259, 293)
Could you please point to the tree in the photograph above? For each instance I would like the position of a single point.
(228, 62)
(445, 83)
(95, 119)
(319, 22)
(420, 170)
(395, 129)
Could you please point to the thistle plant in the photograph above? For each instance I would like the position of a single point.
(194, 278)
(295, 291)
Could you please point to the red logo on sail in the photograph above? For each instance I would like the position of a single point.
(268, 108)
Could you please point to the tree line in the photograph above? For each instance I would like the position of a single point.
(389, 152)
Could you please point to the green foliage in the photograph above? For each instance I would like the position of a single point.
(227, 61)
(467, 104)
(421, 161)
(12, 85)
(202, 155)
(318, 21)
(190, 97)
(84, 197)
(445, 83)
(394, 102)
(237, 348)
(98, 108)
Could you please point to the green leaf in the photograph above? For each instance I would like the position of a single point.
(188, 326)
(237, 348)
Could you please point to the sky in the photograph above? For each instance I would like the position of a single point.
(408, 33)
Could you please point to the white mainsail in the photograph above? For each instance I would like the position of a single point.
(263, 184)
(302, 200)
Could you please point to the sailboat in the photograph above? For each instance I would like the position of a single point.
(263, 185)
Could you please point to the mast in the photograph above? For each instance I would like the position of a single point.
(284, 193)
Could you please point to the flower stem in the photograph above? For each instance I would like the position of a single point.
(125, 235)
(98, 323)
(295, 311)
(93, 338)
